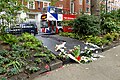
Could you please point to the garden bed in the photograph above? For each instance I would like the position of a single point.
(105, 42)
(24, 57)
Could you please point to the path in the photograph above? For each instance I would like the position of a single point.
(107, 68)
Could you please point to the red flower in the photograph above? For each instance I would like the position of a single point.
(78, 58)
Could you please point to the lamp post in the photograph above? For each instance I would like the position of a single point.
(106, 6)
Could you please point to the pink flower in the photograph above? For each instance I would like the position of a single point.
(46, 66)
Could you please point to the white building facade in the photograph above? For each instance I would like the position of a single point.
(34, 12)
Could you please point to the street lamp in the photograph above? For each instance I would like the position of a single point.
(106, 6)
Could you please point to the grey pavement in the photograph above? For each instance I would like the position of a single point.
(106, 68)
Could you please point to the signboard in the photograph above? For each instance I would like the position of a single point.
(68, 17)
(44, 17)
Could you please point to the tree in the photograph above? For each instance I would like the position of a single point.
(8, 12)
(110, 21)
(53, 2)
(95, 7)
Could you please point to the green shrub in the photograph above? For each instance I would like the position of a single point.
(52, 56)
(86, 25)
(105, 42)
(9, 38)
(71, 35)
(109, 25)
(110, 21)
(13, 71)
(2, 70)
(37, 60)
(95, 40)
(26, 37)
(108, 37)
(32, 69)
(115, 36)
(3, 78)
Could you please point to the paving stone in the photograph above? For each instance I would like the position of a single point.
(55, 64)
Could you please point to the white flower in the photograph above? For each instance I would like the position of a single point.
(92, 49)
(62, 50)
(86, 47)
(86, 59)
(60, 46)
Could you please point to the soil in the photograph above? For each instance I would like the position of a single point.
(4, 46)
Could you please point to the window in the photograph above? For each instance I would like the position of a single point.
(81, 10)
(44, 10)
(52, 23)
(31, 16)
(59, 23)
(72, 7)
(87, 1)
(60, 11)
(31, 5)
(45, 4)
(87, 9)
(61, 5)
(38, 2)
(44, 24)
(52, 10)
(80, 1)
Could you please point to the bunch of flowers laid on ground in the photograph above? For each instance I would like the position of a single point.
(76, 54)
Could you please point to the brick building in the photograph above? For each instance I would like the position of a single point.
(75, 6)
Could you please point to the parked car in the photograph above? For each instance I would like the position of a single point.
(22, 28)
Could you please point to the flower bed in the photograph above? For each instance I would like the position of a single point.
(22, 56)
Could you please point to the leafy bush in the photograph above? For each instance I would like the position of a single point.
(37, 60)
(115, 36)
(52, 56)
(2, 70)
(26, 37)
(32, 69)
(86, 25)
(4, 53)
(9, 38)
(12, 71)
(71, 35)
(40, 54)
(30, 41)
(108, 37)
(95, 40)
(3, 78)
(109, 25)
(110, 21)
(105, 42)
